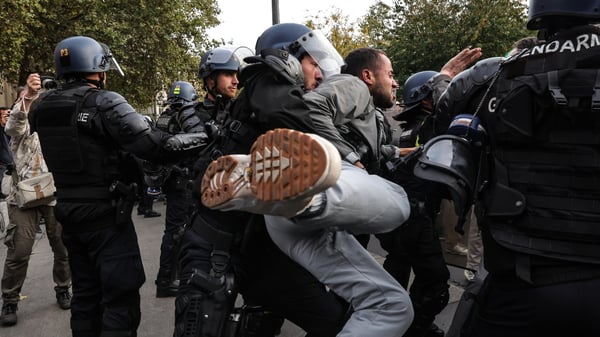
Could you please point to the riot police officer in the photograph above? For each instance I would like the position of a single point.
(415, 245)
(218, 71)
(313, 229)
(537, 175)
(86, 134)
(223, 253)
(175, 185)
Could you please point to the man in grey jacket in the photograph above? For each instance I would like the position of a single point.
(313, 216)
(20, 234)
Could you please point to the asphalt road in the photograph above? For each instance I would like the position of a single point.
(40, 316)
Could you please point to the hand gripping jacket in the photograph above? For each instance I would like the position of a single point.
(542, 114)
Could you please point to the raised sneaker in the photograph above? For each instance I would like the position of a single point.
(284, 170)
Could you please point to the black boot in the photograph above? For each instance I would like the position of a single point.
(166, 287)
(151, 214)
(9, 314)
(63, 298)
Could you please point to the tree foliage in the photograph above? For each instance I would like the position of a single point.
(424, 34)
(156, 42)
(376, 24)
(344, 34)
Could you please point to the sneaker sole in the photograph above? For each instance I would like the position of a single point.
(283, 165)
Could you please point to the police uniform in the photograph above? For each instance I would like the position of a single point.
(174, 181)
(538, 183)
(223, 253)
(415, 245)
(88, 136)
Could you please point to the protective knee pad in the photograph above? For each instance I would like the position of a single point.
(188, 311)
(199, 314)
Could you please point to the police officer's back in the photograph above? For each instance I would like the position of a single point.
(226, 252)
(538, 176)
(86, 134)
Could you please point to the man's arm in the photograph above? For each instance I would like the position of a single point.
(453, 67)
(333, 105)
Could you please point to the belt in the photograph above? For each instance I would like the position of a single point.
(99, 193)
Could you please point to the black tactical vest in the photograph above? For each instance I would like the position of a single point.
(544, 193)
(71, 136)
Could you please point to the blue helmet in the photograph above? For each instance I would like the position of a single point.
(416, 88)
(181, 92)
(82, 54)
(281, 36)
(298, 40)
(544, 13)
(218, 59)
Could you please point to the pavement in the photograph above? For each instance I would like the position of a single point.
(40, 316)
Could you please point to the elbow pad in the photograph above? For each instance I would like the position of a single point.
(122, 120)
(458, 95)
(186, 141)
(188, 120)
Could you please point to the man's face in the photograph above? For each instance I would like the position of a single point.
(227, 83)
(312, 73)
(4, 117)
(385, 86)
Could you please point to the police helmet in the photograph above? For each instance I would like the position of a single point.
(280, 36)
(82, 54)
(180, 92)
(546, 13)
(468, 127)
(298, 40)
(222, 58)
(450, 160)
(416, 88)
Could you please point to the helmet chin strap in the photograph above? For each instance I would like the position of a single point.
(98, 83)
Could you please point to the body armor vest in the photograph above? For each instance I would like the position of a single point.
(71, 140)
(544, 181)
(167, 121)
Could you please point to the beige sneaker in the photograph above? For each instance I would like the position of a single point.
(284, 169)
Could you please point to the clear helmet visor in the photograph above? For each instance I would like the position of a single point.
(114, 64)
(223, 57)
(241, 53)
(322, 51)
(108, 61)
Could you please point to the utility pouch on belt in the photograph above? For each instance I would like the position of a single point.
(218, 304)
(124, 202)
(252, 321)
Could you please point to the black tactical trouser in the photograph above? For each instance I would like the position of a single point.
(107, 274)
(556, 310)
(266, 277)
(179, 207)
(415, 245)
